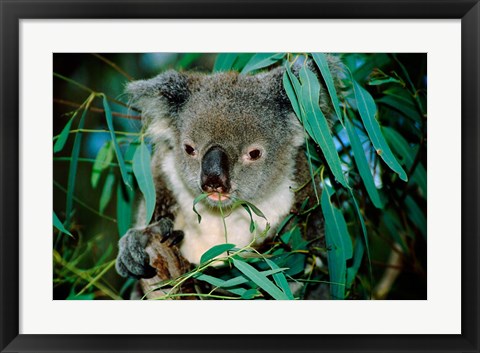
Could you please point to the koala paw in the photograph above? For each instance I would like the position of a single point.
(132, 259)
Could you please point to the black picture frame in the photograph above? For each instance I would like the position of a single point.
(13, 11)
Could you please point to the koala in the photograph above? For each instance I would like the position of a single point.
(231, 136)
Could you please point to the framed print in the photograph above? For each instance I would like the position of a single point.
(267, 161)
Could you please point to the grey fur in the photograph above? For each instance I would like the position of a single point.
(229, 110)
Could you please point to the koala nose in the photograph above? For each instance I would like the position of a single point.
(214, 176)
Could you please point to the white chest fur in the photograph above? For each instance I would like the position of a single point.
(199, 237)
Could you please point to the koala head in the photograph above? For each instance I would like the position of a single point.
(233, 136)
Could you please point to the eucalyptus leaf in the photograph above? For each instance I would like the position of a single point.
(118, 152)
(72, 171)
(102, 162)
(339, 244)
(280, 279)
(62, 138)
(142, 170)
(318, 123)
(59, 225)
(408, 153)
(408, 110)
(124, 208)
(362, 164)
(107, 191)
(250, 294)
(368, 112)
(321, 61)
(260, 279)
(262, 60)
(294, 92)
(197, 200)
(216, 251)
(358, 251)
(292, 96)
(378, 82)
(224, 62)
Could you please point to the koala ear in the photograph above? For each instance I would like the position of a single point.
(159, 100)
(275, 92)
(166, 92)
(273, 85)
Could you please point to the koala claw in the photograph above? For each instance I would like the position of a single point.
(177, 237)
(132, 259)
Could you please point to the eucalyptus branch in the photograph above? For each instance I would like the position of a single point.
(96, 110)
(114, 66)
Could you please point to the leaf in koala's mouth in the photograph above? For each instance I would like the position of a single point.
(218, 197)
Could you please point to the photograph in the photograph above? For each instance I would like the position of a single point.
(239, 176)
(256, 168)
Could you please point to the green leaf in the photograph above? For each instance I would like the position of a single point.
(339, 244)
(252, 222)
(236, 281)
(224, 62)
(242, 60)
(107, 191)
(72, 172)
(249, 207)
(58, 224)
(280, 279)
(358, 251)
(362, 164)
(261, 60)
(143, 173)
(249, 294)
(404, 151)
(407, 108)
(368, 110)
(260, 279)
(197, 200)
(318, 123)
(118, 152)
(216, 282)
(294, 92)
(102, 161)
(291, 93)
(293, 263)
(62, 138)
(378, 82)
(125, 195)
(124, 208)
(233, 282)
(215, 251)
(321, 61)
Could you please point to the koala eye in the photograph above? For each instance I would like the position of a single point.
(190, 150)
(254, 154)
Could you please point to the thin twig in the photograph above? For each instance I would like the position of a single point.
(95, 109)
(85, 88)
(113, 65)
